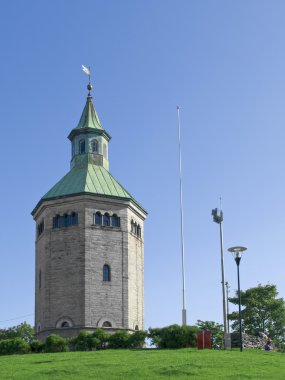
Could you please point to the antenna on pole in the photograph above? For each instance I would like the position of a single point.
(218, 218)
(181, 221)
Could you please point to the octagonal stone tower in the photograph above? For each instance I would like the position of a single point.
(89, 243)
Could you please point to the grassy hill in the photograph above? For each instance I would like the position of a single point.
(145, 364)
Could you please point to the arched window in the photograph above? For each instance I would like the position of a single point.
(94, 146)
(115, 221)
(135, 228)
(106, 273)
(66, 219)
(105, 150)
(74, 218)
(106, 219)
(132, 226)
(39, 326)
(56, 220)
(139, 231)
(107, 324)
(61, 221)
(98, 218)
(65, 324)
(81, 146)
(40, 279)
(41, 228)
(137, 327)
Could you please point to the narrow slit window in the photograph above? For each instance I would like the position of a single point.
(40, 279)
(106, 273)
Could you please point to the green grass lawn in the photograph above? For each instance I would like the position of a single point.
(145, 364)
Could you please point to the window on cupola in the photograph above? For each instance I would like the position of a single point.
(72, 149)
(81, 146)
(94, 146)
(105, 150)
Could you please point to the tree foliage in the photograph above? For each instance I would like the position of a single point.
(119, 340)
(174, 336)
(262, 312)
(217, 332)
(137, 339)
(14, 346)
(23, 331)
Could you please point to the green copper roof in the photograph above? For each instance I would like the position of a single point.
(89, 117)
(89, 121)
(88, 179)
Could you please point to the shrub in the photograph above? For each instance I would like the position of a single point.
(37, 346)
(14, 346)
(174, 336)
(85, 341)
(119, 340)
(55, 343)
(103, 338)
(137, 339)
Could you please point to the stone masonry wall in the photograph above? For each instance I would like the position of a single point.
(71, 261)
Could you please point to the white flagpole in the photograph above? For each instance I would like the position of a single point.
(184, 322)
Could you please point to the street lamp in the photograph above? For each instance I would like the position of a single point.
(237, 253)
(227, 290)
(218, 218)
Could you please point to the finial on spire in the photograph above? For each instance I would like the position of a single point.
(88, 72)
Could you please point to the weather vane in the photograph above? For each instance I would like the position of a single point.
(88, 72)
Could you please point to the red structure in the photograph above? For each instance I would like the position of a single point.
(204, 339)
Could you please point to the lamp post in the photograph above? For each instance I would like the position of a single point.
(218, 218)
(228, 309)
(237, 253)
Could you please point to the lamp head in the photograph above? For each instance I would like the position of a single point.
(237, 253)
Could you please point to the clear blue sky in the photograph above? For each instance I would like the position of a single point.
(223, 62)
